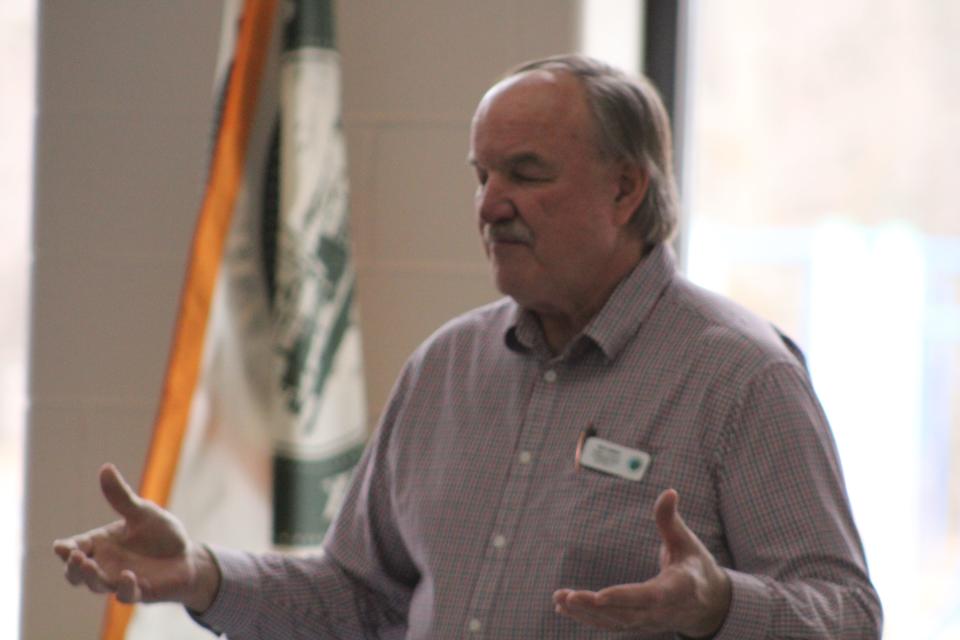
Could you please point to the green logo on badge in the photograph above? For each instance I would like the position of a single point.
(634, 464)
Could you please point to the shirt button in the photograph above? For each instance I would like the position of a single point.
(474, 625)
(550, 375)
(499, 541)
(525, 457)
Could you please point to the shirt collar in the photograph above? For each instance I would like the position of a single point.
(623, 313)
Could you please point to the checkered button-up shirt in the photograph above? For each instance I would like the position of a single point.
(467, 510)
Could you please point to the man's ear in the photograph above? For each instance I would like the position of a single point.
(631, 190)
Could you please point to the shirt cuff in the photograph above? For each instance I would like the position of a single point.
(230, 610)
(749, 614)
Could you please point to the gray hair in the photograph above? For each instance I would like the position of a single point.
(633, 126)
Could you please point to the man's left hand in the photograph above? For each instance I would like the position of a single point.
(690, 595)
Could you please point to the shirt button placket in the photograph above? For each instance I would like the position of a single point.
(536, 420)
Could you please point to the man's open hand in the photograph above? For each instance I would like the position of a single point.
(145, 556)
(690, 595)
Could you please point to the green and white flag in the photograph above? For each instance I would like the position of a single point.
(312, 292)
(277, 417)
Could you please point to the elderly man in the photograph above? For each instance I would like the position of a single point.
(526, 477)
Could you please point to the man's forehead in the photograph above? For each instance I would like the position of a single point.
(530, 110)
(517, 160)
(536, 80)
(531, 92)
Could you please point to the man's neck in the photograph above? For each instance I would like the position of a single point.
(560, 327)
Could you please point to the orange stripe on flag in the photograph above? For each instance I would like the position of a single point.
(186, 355)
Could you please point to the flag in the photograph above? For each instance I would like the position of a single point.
(262, 416)
(312, 293)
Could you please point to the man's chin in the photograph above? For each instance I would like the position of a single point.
(514, 286)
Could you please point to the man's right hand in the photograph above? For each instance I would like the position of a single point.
(145, 556)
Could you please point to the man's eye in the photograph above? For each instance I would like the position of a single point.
(525, 177)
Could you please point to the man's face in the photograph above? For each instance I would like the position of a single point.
(548, 207)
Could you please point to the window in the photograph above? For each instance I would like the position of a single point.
(610, 30)
(819, 185)
(17, 43)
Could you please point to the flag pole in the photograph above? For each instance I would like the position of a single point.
(183, 366)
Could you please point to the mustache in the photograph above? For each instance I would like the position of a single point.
(513, 230)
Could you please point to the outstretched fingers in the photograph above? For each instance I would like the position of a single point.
(128, 589)
(676, 536)
(644, 595)
(691, 594)
(83, 542)
(63, 548)
(82, 569)
(118, 493)
(582, 607)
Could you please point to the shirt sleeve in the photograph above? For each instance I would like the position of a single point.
(360, 587)
(279, 596)
(798, 563)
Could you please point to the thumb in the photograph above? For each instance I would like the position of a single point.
(677, 537)
(118, 493)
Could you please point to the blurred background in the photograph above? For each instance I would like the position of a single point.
(819, 148)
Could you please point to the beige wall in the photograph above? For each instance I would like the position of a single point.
(122, 135)
(413, 73)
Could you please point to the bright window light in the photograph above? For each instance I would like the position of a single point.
(819, 195)
(610, 30)
(17, 46)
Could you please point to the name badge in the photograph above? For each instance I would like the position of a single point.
(609, 457)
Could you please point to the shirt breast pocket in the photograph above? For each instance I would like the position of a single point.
(604, 529)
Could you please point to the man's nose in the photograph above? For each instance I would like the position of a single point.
(493, 203)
